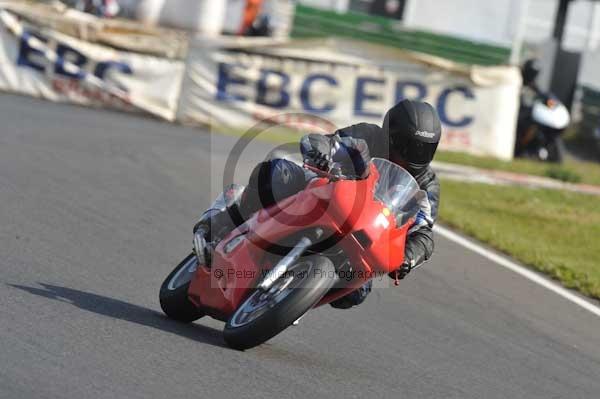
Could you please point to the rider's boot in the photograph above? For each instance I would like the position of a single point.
(354, 298)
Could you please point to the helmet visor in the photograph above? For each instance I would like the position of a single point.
(415, 153)
(419, 153)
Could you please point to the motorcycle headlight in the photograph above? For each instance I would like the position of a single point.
(233, 243)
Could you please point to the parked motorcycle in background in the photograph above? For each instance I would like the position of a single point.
(542, 120)
(540, 128)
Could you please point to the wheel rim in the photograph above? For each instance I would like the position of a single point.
(261, 301)
(184, 274)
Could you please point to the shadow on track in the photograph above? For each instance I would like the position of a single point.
(126, 311)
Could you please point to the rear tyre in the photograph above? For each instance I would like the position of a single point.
(173, 294)
(265, 314)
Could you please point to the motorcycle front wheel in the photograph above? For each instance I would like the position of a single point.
(173, 294)
(265, 314)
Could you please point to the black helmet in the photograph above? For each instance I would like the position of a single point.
(414, 131)
(530, 71)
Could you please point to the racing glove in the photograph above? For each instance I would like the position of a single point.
(350, 155)
(316, 150)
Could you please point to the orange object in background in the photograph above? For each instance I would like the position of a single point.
(250, 13)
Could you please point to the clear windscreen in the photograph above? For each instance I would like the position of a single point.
(397, 190)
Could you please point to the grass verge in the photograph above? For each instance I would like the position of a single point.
(554, 232)
(571, 170)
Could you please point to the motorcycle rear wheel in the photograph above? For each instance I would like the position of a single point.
(173, 294)
(265, 314)
(556, 150)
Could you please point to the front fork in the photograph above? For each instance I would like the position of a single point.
(283, 265)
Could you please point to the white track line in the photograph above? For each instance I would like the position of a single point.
(528, 274)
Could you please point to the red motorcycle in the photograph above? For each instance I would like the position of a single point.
(303, 252)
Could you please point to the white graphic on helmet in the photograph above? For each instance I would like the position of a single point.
(423, 133)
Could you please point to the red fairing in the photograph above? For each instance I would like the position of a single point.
(345, 209)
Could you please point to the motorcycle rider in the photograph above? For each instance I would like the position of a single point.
(409, 137)
(530, 71)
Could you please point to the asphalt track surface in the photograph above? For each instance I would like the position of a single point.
(96, 208)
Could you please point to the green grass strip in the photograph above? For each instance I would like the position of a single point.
(570, 171)
(554, 232)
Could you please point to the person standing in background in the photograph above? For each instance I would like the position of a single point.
(99, 8)
(250, 13)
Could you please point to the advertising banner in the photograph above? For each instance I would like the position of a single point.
(332, 84)
(44, 63)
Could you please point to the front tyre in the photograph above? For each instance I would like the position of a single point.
(265, 314)
(173, 294)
